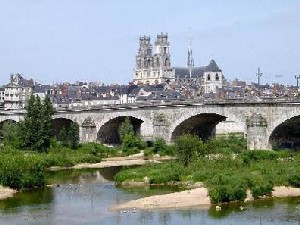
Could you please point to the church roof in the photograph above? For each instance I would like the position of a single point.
(213, 67)
(183, 72)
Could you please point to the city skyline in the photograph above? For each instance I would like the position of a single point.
(57, 41)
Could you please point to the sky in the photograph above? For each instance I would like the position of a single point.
(97, 40)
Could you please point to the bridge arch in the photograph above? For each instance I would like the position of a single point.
(202, 125)
(15, 118)
(283, 126)
(215, 116)
(286, 135)
(109, 131)
(61, 123)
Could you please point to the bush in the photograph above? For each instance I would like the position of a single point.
(227, 193)
(262, 188)
(21, 171)
(132, 144)
(188, 147)
(167, 176)
(294, 180)
(159, 145)
(231, 144)
(258, 155)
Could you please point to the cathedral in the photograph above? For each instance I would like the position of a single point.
(153, 68)
(156, 68)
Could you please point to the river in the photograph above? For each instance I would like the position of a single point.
(85, 196)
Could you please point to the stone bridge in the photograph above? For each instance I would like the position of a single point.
(266, 125)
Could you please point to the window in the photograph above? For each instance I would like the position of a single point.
(165, 50)
(217, 77)
(208, 77)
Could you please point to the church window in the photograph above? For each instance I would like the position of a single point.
(208, 77)
(165, 50)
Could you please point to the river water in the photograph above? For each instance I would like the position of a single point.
(85, 196)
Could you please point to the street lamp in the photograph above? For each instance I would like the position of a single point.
(297, 77)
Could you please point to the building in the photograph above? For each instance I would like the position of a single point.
(153, 68)
(41, 91)
(17, 92)
(210, 78)
(156, 68)
(2, 90)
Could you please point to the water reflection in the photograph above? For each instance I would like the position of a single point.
(28, 198)
(84, 196)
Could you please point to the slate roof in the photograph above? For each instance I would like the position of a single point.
(40, 88)
(25, 83)
(213, 67)
(162, 95)
(151, 88)
(92, 97)
(183, 72)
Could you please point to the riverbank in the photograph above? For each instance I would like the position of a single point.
(133, 160)
(197, 197)
(6, 192)
(184, 199)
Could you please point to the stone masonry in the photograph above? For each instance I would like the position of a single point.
(256, 120)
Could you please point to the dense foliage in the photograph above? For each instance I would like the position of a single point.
(35, 129)
(188, 148)
(19, 170)
(131, 143)
(69, 137)
(225, 168)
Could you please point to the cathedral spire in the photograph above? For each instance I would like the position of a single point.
(190, 61)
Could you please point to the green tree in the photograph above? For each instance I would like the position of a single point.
(188, 147)
(126, 128)
(130, 143)
(35, 130)
(74, 136)
(47, 122)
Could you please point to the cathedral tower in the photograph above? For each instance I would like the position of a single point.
(153, 69)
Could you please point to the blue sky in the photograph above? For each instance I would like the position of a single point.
(97, 40)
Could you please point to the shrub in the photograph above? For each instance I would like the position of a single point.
(21, 171)
(294, 180)
(159, 145)
(132, 144)
(258, 155)
(262, 188)
(187, 148)
(227, 193)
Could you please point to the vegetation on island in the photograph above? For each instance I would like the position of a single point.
(224, 166)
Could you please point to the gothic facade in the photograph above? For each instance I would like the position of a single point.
(153, 68)
(156, 68)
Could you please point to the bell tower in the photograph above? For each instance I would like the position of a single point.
(144, 60)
